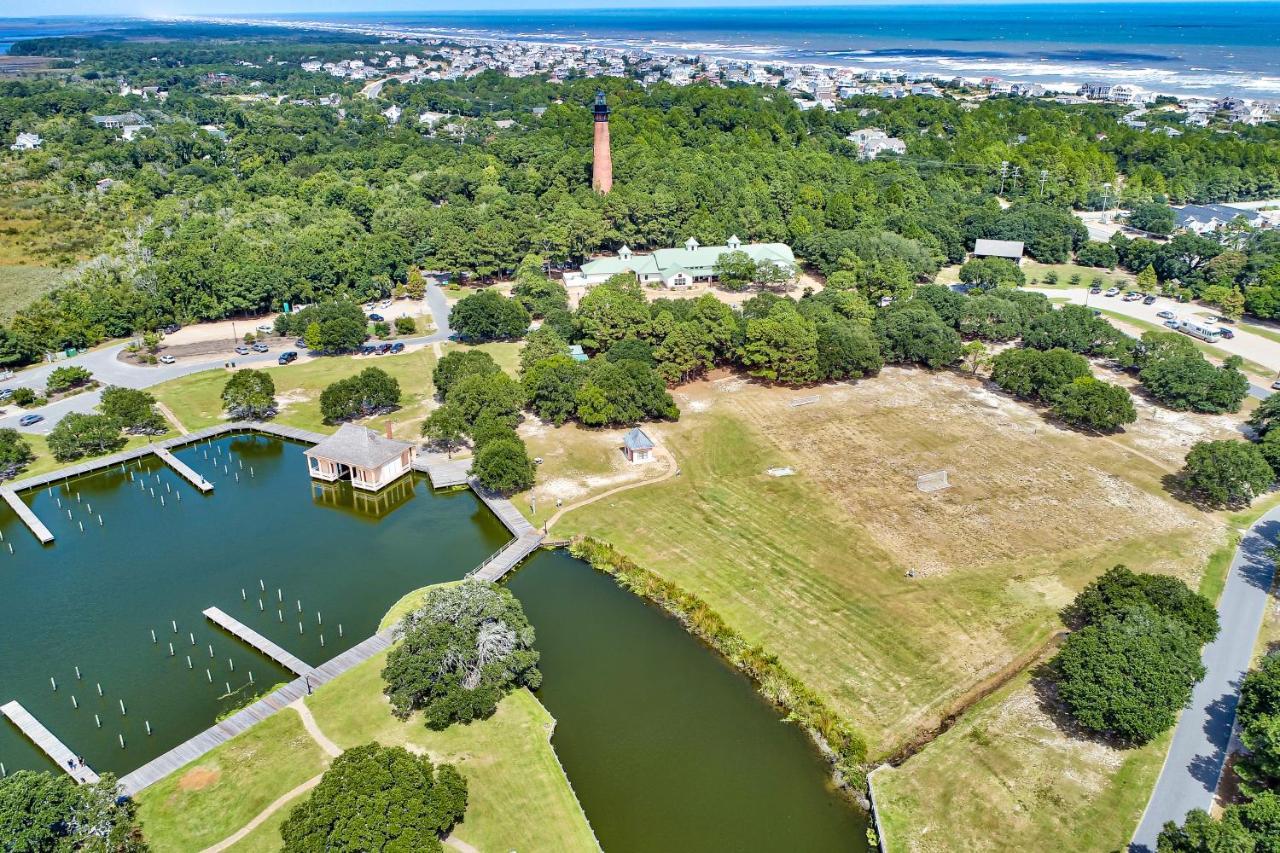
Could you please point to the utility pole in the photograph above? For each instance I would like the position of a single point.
(1106, 191)
(1004, 173)
(1017, 173)
(1044, 176)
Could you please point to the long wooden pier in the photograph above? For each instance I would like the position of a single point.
(184, 470)
(243, 632)
(50, 745)
(241, 721)
(28, 517)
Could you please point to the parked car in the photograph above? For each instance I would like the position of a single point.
(1213, 318)
(367, 350)
(1165, 315)
(288, 357)
(1114, 291)
(242, 350)
(383, 349)
(29, 420)
(1149, 299)
(1132, 296)
(301, 343)
(377, 318)
(171, 328)
(1172, 324)
(167, 359)
(266, 327)
(260, 347)
(1095, 290)
(397, 347)
(1224, 332)
(1275, 386)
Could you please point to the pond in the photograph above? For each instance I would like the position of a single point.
(91, 599)
(667, 746)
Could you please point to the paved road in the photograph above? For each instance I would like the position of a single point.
(1194, 763)
(109, 370)
(1248, 345)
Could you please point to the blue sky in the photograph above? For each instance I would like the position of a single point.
(13, 8)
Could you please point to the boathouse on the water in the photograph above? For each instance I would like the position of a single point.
(370, 461)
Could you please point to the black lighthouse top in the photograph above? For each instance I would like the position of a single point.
(601, 108)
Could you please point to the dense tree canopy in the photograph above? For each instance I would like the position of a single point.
(462, 650)
(376, 797)
(51, 812)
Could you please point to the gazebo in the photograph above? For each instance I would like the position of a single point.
(369, 460)
(637, 446)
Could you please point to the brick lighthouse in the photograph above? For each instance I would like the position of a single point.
(602, 165)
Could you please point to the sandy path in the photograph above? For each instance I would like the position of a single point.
(673, 468)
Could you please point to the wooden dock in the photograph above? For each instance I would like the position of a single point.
(245, 634)
(184, 470)
(504, 509)
(496, 567)
(241, 721)
(50, 745)
(446, 472)
(28, 517)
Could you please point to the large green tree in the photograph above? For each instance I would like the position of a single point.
(78, 435)
(1226, 473)
(249, 394)
(376, 797)
(48, 812)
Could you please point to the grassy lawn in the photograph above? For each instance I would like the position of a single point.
(519, 798)
(44, 461)
(211, 798)
(20, 285)
(815, 566)
(1035, 271)
(1006, 777)
(197, 399)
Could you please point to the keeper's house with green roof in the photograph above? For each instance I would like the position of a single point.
(679, 269)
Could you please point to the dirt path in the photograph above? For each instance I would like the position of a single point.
(673, 468)
(243, 832)
(333, 751)
(309, 723)
(171, 417)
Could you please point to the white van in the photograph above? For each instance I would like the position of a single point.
(1198, 329)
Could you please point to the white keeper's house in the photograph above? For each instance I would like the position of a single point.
(679, 269)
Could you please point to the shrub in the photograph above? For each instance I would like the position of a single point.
(406, 325)
(67, 378)
(503, 465)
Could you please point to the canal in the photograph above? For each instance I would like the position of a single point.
(667, 746)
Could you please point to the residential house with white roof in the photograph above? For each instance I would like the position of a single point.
(680, 269)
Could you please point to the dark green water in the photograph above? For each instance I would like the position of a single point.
(91, 599)
(669, 748)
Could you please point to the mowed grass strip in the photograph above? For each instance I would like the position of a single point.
(518, 795)
(1007, 777)
(213, 797)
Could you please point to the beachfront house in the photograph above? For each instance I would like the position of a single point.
(1010, 250)
(637, 447)
(680, 269)
(370, 461)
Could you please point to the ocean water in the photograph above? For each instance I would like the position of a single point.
(1184, 48)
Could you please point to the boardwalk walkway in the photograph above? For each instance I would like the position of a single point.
(198, 746)
(28, 517)
(50, 745)
(243, 632)
(526, 541)
(184, 470)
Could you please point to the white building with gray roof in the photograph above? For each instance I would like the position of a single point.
(680, 269)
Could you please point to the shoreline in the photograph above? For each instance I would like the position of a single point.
(1054, 70)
